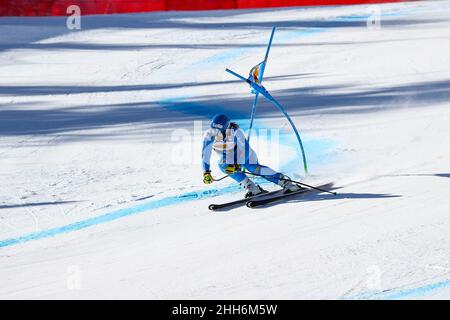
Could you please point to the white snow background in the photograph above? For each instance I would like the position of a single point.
(102, 194)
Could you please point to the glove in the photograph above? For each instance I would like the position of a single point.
(207, 177)
(232, 168)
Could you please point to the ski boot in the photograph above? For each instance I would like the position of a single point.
(252, 188)
(288, 186)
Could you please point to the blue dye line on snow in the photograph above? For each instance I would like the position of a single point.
(145, 207)
(419, 291)
(405, 293)
(152, 205)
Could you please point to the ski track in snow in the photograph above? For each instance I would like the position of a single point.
(182, 104)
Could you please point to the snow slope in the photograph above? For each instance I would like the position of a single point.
(99, 153)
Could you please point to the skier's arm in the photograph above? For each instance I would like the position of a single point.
(208, 140)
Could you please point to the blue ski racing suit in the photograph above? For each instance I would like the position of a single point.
(234, 149)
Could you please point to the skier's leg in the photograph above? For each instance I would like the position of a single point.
(273, 176)
(268, 173)
(240, 177)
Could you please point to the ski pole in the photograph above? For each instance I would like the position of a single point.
(293, 181)
(214, 179)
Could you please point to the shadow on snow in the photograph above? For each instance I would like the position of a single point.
(169, 114)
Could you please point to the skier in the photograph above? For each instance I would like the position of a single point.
(228, 140)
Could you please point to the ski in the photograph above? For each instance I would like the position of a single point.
(215, 207)
(259, 202)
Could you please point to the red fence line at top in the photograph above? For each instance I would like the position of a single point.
(59, 7)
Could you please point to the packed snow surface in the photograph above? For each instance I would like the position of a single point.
(100, 137)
